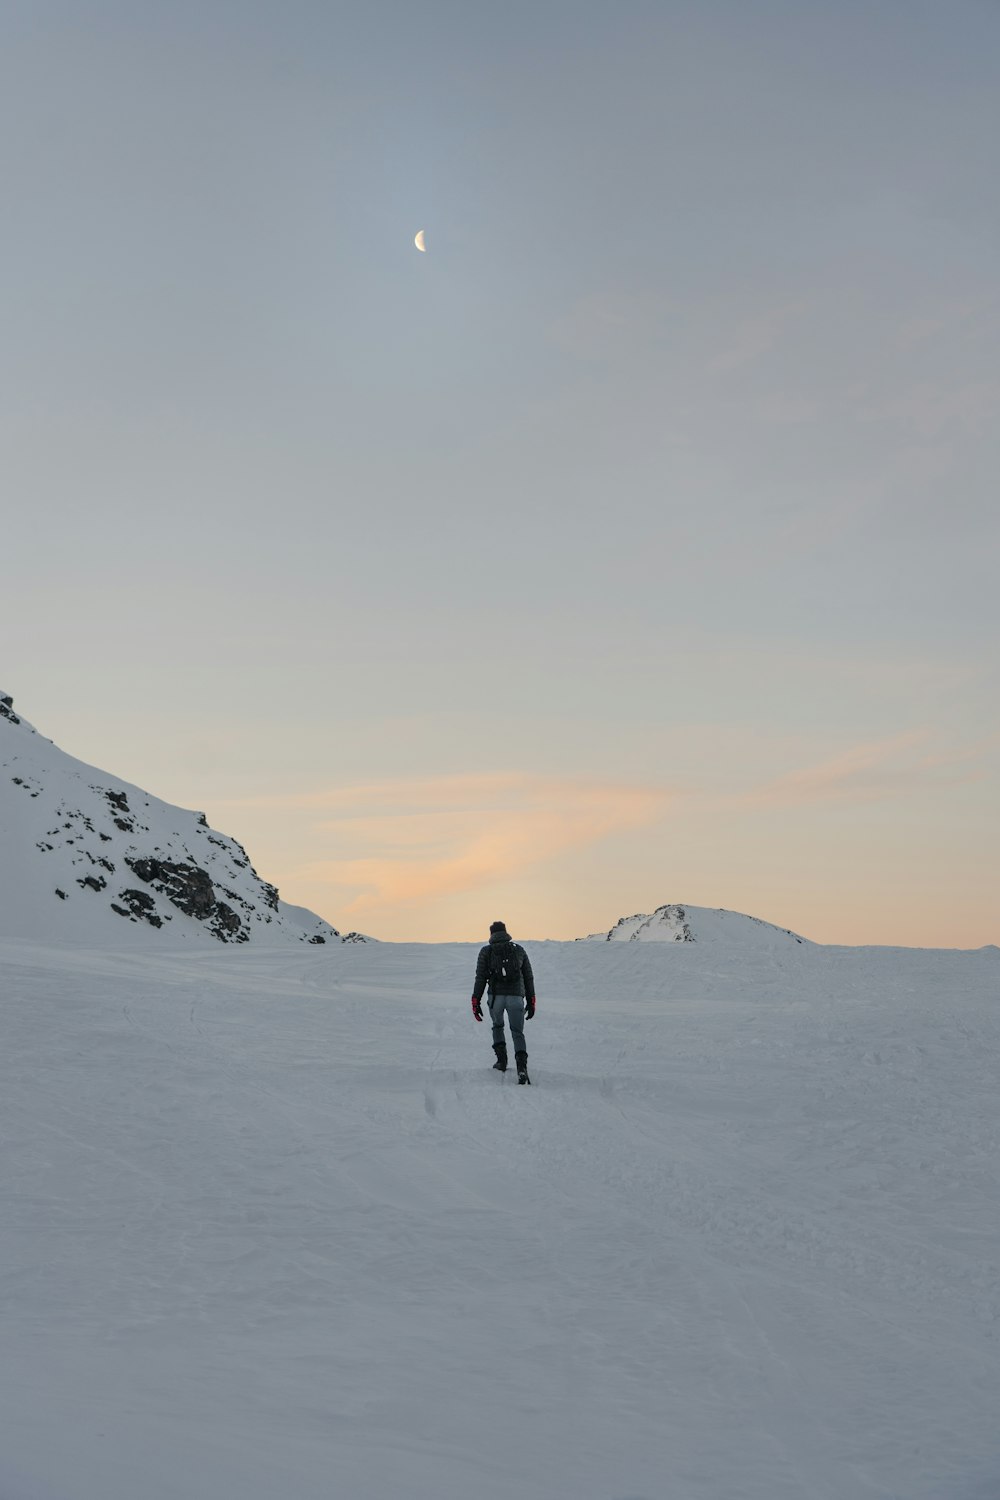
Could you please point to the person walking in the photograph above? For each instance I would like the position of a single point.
(505, 968)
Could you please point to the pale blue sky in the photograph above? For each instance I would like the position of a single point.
(681, 441)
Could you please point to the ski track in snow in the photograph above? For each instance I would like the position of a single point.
(272, 1226)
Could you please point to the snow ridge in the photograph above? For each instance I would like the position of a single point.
(86, 855)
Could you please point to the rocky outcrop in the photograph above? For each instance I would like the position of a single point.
(190, 889)
(672, 917)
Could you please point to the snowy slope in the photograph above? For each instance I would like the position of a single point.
(86, 858)
(696, 924)
(272, 1227)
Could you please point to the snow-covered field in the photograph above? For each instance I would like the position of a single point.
(271, 1227)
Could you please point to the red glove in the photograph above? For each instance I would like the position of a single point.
(530, 1006)
(477, 1008)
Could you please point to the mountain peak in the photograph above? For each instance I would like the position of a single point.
(693, 924)
(89, 858)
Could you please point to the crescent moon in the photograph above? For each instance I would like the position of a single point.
(418, 240)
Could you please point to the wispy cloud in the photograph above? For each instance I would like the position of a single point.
(613, 323)
(973, 318)
(422, 856)
(411, 841)
(937, 409)
(874, 771)
(750, 338)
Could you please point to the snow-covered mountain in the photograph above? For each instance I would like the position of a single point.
(695, 924)
(85, 857)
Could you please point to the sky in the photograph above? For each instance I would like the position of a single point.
(636, 544)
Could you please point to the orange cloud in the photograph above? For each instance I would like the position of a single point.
(411, 841)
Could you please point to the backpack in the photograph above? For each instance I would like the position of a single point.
(505, 963)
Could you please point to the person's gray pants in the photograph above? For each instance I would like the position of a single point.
(514, 1006)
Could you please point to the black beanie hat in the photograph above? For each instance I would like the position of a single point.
(497, 927)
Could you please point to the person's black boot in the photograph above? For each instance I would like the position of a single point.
(521, 1058)
(501, 1052)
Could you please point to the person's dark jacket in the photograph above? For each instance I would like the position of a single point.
(518, 983)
